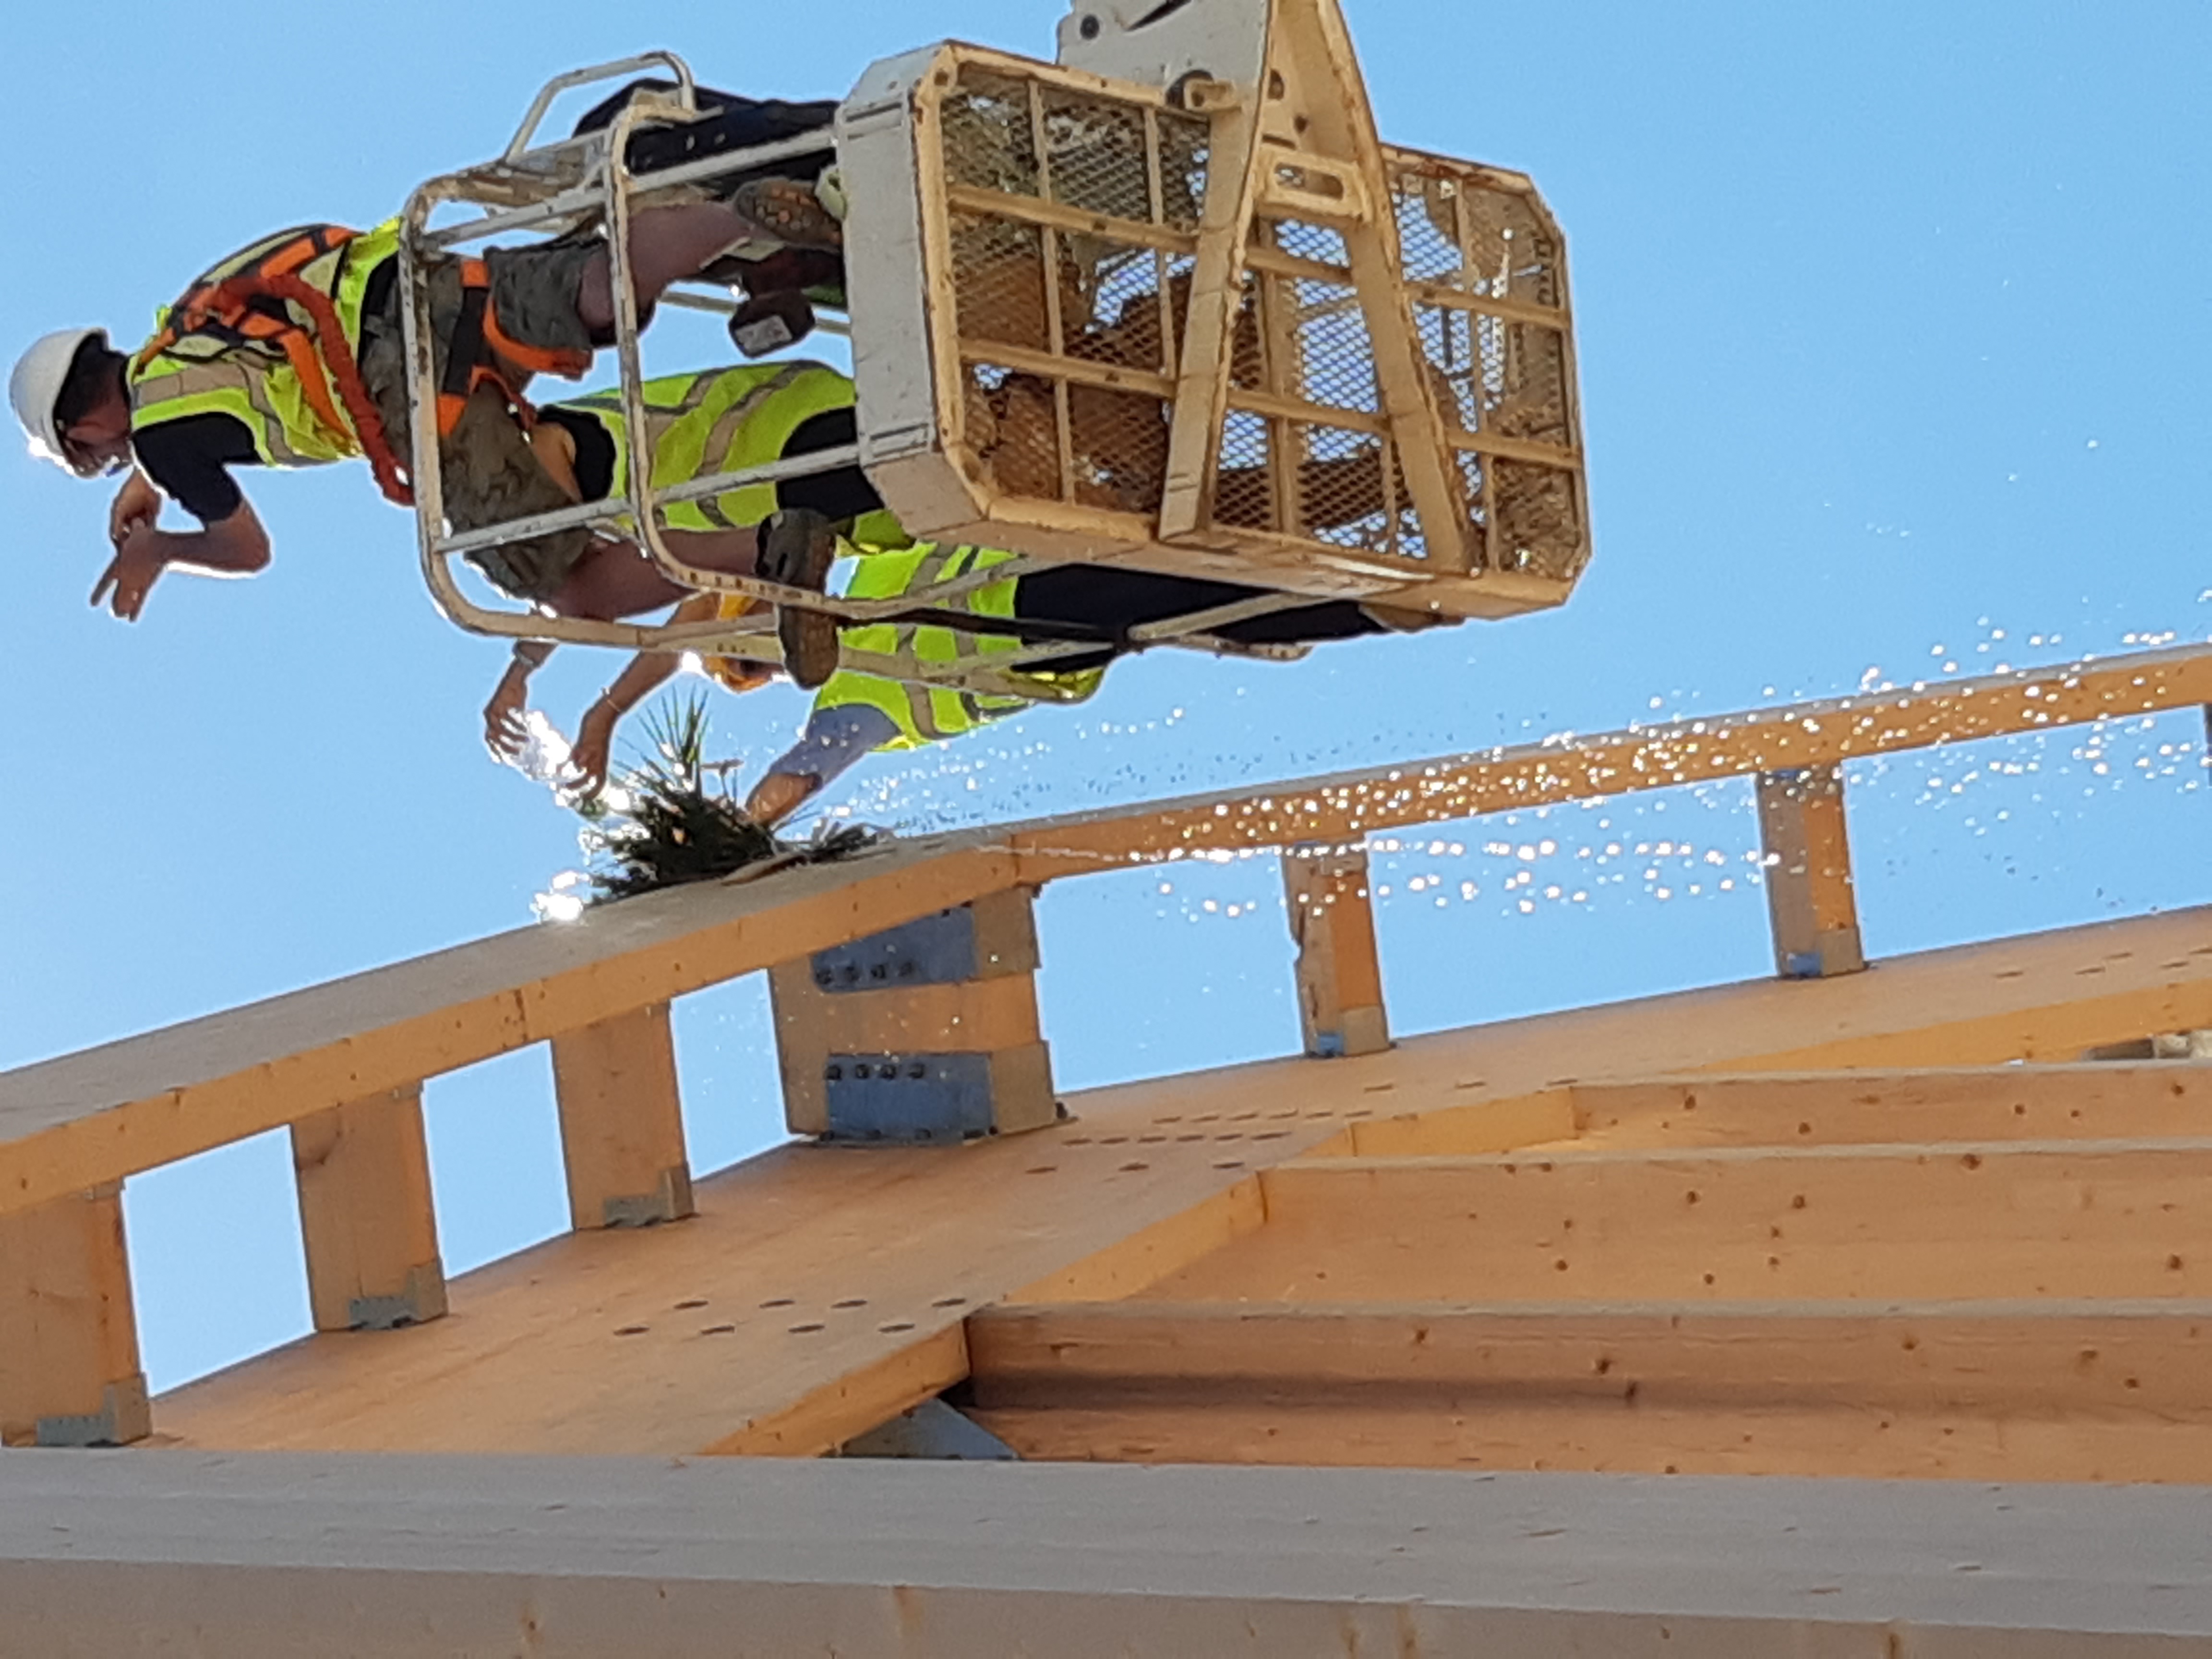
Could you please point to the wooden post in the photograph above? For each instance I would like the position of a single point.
(924, 1035)
(1339, 973)
(622, 1122)
(1809, 896)
(366, 1213)
(68, 1342)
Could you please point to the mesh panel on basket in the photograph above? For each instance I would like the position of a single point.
(1472, 472)
(1348, 488)
(1113, 306)
(998, 282)
(1120, 442)
(1185, 147)
(1096, 154)
(1335, 364)
(1539, 525)
(1244, 486)
(1319, 243)
(1018, 438)
(1448, 340)
(1511, 252)
(1427, 208)
(989, 140)
(1532, 394)
(1404, 536)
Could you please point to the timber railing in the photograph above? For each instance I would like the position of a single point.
(342, 1065)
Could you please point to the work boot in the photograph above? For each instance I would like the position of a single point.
(796, 548)
(791, 211)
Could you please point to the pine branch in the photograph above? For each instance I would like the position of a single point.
(677, 827)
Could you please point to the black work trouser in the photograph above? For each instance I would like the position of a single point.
(1101, 597)
(1093, 598)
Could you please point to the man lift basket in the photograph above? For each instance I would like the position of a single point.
(1169, 303)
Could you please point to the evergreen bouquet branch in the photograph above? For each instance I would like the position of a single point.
(669, 820)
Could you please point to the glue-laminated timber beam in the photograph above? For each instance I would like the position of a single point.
(69, 1338)
(1146, 1180)
(2088, 1102)
(2091, 1102)
(2043, 1391)
(1810, 903)
(1328, 896)
(367, 1215)
(304, 1557)
(818, 1291)
(1345, 806)
(622, 1122)
(1965, 1221)
(72, 1123)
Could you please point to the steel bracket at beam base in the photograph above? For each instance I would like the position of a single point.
(421, 1300)
(934, 1432)
(670, 1201)
(124, 1415)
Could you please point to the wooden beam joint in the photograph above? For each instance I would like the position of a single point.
(68, 1341)
(1809, 891)
(924, 1034)
(622, 1122)
(1339, 975)
(367, 1216)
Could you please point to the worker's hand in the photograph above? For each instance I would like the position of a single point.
(588, 759)
(779, 794)
(136, 505)
(505, 734)
(130, 574)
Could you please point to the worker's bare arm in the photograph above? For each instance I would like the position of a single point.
(235, 546)
(589, 760)
(505, 733)
(648, 672)
(138, 503)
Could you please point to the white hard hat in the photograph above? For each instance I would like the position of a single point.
(36, 385)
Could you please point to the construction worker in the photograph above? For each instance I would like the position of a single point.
(289, 354)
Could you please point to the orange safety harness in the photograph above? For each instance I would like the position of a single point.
(247, 308)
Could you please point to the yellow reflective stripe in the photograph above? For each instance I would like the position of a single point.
(722, 431)
(716, 421)
(165, 394)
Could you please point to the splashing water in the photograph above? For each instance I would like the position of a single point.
(544, 756)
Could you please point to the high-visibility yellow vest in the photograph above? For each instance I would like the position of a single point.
(199, 374)
(930, 714)
(725, 419)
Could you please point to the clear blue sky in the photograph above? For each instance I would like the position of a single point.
(1895, 326)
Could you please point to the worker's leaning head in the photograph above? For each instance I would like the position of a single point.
(69, 393)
